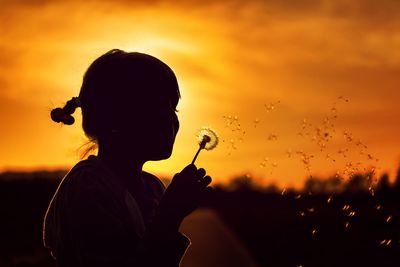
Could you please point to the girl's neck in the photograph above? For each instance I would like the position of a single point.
(124, 166)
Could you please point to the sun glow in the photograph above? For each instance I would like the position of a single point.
(231, 61)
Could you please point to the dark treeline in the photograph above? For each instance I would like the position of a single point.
(331, 222)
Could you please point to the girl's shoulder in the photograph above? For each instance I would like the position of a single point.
(91, 174)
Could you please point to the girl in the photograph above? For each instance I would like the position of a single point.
(107, 211)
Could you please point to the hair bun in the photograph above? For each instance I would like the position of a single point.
(58, 115)
(68, 120)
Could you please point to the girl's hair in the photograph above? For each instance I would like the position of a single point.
(120, 89)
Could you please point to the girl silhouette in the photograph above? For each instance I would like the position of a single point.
(107, 211)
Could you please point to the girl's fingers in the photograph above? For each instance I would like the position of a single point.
(200, 174)
(205, 181)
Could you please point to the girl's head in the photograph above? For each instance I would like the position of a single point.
(128, 103)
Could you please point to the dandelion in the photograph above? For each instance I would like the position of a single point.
(208, 140)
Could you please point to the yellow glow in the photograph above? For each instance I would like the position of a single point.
(231, 59)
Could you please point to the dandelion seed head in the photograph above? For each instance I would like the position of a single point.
(209, 136)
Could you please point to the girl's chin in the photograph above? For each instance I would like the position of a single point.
(160, 155)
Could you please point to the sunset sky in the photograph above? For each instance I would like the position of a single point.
(310, 86)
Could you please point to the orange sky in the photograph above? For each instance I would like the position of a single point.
(311, 59)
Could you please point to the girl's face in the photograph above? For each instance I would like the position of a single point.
(153, 138)
(162, 130)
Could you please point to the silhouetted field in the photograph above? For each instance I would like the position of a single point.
(325, 227)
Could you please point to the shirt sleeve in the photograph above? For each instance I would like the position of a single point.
(101, 236)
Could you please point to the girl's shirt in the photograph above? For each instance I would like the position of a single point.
(93, 220)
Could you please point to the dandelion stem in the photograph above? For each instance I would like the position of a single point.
(195, 157)
(203, 143)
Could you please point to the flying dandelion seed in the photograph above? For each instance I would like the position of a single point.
(343, 99)
(371, 191)
(256, 122)
(348, 136)
(314, 232)
(270, 107)
(346, 207)
(283, 192)
(208, 140)
(328, 156)
(272, 137)
(351, 214)
(385, 242)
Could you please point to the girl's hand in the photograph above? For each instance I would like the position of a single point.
(187, 189)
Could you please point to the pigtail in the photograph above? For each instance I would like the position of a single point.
(63, 115)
